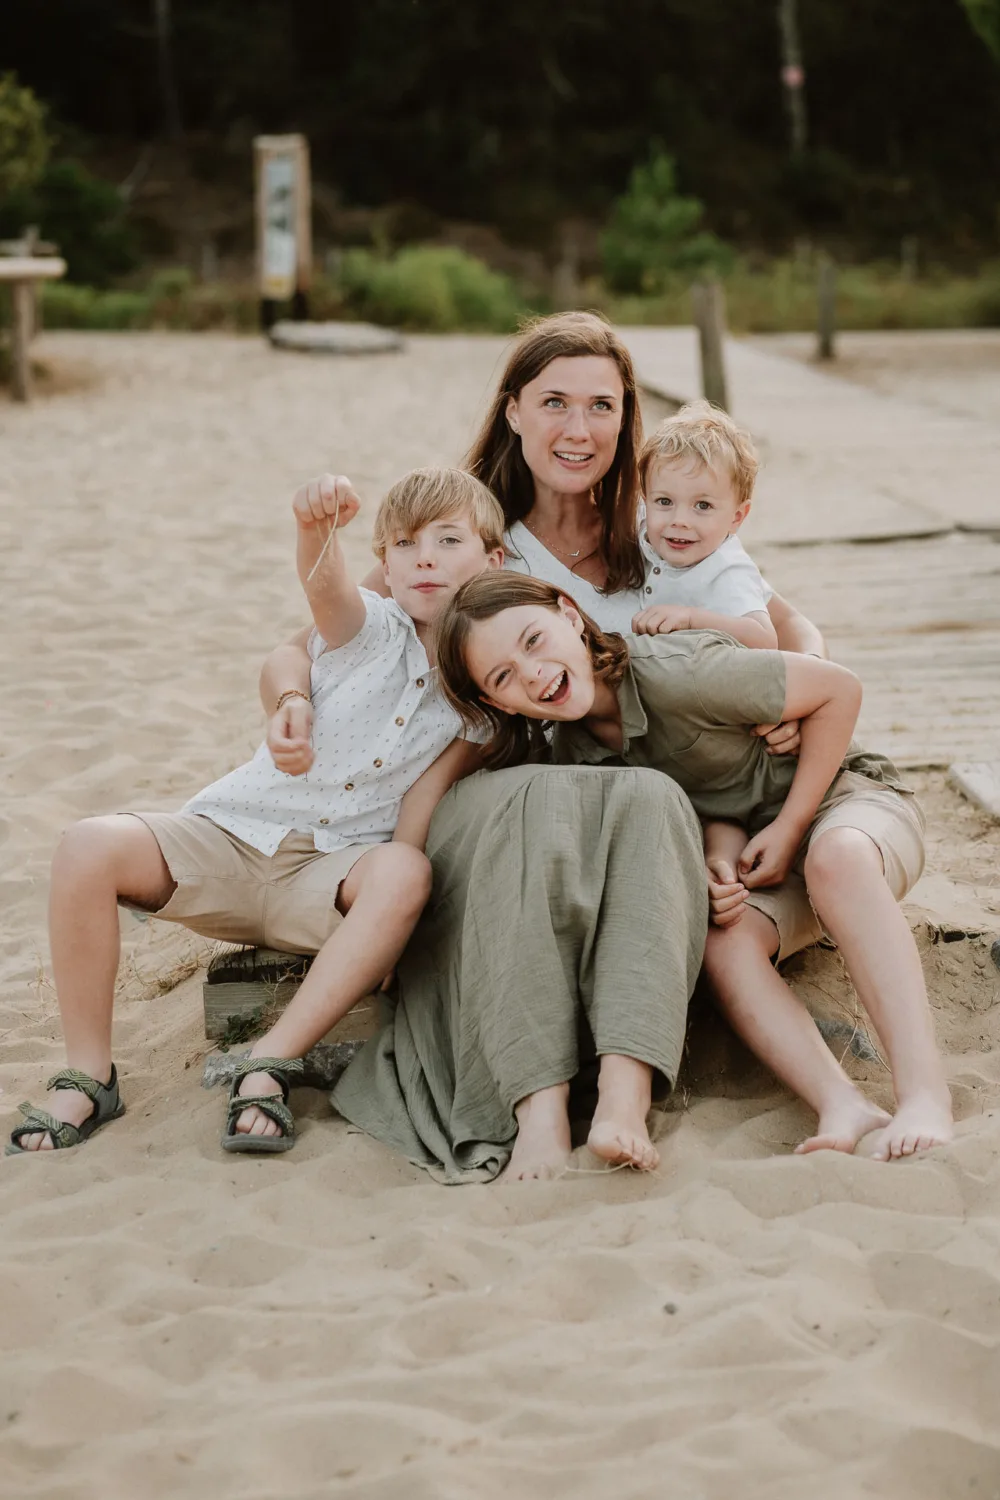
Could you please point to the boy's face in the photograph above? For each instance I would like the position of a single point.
(690, 510)
(425, 569)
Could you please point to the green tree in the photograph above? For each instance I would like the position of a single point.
(653, 231)
(24, 137)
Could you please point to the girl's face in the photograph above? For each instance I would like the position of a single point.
(533, 661)
(568, 419)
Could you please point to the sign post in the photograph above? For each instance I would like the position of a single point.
(284, 224)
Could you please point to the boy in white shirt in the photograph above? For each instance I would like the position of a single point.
(697, 472)
(329, 862)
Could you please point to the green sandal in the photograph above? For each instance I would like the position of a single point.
(275, 1106)
(107, 1106)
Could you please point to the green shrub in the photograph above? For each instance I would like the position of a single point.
(24, 137)
(653, 233)
(437, 288)
(85, 217)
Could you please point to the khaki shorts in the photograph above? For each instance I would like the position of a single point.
(891, 819)
(228, 890)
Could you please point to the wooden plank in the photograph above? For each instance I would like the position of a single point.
(31, 268)
(980, 782)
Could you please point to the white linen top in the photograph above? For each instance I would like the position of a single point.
(526, 554)
(727, 581)
(379, 720)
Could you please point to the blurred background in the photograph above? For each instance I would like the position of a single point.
(473, 162)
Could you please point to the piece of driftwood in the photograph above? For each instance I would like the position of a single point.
(243, 984)
(324, 1064)
(979, 780)
(334, 338)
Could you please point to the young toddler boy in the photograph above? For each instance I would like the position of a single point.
(330, 862)
(697, 471)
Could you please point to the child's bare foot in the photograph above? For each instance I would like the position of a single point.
(543, 1144)
(618, 1133)
(843, 1123)
(253, 1121)
(922, 1122)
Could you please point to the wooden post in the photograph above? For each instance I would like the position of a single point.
(827, 307)
(708, 303)
(21, 321)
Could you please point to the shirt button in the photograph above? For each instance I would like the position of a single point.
(648, 589)
(420, 682)
(376, 764)
(400, 722)
(348, 786)
(657, 572)
(323, 822)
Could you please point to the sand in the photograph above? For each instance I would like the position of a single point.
(176, 1322)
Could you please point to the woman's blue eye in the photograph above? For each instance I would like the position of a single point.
(603, 405)
(553, 401)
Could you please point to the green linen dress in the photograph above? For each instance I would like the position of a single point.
(569, 904)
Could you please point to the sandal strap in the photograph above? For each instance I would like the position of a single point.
(281, 1069)
(268, 1104)
(39, 1121)
(96, 1092)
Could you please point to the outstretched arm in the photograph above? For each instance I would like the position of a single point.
(321, 508)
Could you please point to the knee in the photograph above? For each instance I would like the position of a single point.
(838, 857)
(401, 874)
(85, 849)
(729, 948)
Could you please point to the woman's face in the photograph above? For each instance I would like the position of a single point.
(568, 419)
(533, 661)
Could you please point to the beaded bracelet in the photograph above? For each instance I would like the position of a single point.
(291, 693)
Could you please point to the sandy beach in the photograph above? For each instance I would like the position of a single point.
(176, 1322)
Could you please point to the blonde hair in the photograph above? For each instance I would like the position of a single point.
(515, 738)
(496, 457)
(426, 495)
(702, 432)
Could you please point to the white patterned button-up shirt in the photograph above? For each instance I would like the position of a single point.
(379, 720)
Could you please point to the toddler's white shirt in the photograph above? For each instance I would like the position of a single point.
(727, 581)
(379, 720)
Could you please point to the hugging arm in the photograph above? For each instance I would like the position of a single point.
(795, 632)
(417, 808)
(826, 699)
(753, 629)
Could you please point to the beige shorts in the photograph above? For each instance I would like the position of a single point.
(892, 820)
(228, 890)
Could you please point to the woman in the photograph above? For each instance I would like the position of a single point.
(513, 652)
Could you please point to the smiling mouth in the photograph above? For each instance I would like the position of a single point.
(426, 588)
(579, 459)
(557, 690)
(680, 542)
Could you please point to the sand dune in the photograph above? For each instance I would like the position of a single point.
(176, 1322)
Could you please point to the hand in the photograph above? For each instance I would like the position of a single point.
(289, 736)
(329, 498)
(726, 893)
(661, 619)
(768, 857)
(782, 739)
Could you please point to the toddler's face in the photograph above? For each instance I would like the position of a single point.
(425, 569)
(690, 510)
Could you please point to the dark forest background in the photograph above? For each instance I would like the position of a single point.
(523, 121)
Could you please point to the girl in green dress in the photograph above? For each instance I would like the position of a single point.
(829, 840)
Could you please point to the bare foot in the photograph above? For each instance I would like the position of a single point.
(618, 1133)
(69, 1106)
(543, 1144)
(922, 1122)
(842, 1124)
(253, 1121)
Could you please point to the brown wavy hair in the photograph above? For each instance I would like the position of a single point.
(515, 738)
(496, 457)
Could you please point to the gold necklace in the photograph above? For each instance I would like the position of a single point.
(555, 547)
